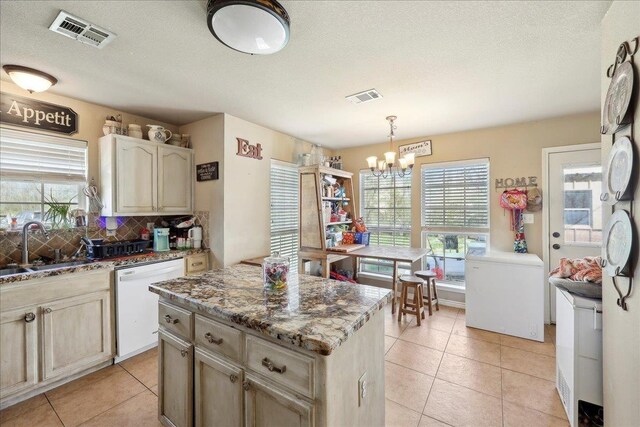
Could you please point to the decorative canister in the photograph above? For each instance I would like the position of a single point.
(275, 272)
(135, 131)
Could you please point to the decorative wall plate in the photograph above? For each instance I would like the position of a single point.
(618, 239)
(619, 168)
(616, 104)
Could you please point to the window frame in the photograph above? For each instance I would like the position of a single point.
(294, 229)
(43, 179)
(403, 268)
(459, 231)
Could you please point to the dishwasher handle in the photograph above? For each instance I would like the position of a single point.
(133, 276)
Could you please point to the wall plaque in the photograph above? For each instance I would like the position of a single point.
(422, 148)
(207, 171)
(34, 114)
(517, 182)
(245, 149)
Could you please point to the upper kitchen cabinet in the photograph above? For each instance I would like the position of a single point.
(139, 177)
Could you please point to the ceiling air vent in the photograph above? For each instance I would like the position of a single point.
(81, 30)
(366, 96)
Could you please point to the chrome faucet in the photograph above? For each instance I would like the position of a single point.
(25, 236)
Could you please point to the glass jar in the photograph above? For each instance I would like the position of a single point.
(275, 272)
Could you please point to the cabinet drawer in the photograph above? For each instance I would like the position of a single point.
(175, 319)
(283, 366)
(197, 263)
(219, 338)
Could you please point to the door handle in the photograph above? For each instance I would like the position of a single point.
(556, 246)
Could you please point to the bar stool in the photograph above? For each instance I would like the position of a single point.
(432, 295)
(417, 306)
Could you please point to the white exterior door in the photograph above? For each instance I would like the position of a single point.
(575, 209)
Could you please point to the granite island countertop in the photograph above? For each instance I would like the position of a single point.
(313, 313)
(125, 261)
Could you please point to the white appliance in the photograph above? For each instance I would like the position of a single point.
(505, 293)
(137, 307)
(578, 351)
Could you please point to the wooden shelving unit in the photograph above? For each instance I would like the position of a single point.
(313, 227)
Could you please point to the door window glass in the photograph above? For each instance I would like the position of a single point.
(582, 206)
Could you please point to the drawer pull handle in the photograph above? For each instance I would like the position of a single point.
(29, 317)
(212, 340)
(184, 352)
(246, 385)
(273, 368)
(170, 319)
(233, 378)
(195, 264)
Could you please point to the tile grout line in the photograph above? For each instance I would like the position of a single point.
(436, 374)
(108, 409)
(136, 378)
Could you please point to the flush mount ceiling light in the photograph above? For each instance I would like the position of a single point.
(30, 79)
(257, 27)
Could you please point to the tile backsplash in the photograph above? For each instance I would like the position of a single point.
(69, 240)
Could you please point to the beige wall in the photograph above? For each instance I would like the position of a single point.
(513, 150)
(91, 117)
(621, 329)
(207, 140)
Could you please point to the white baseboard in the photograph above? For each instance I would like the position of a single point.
(450, 303)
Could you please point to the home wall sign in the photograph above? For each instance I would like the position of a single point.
(245, 149)
(522, 182)
(422, 148)
(207, 171)
(34, 114)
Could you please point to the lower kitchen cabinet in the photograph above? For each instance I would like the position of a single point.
(175, 386)
(18, 350)
(269, 406)
(51, 329)
(75, 332)
(218, 391)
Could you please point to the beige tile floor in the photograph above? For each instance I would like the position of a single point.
(437, 374)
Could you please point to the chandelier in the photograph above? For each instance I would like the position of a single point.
(388, 167)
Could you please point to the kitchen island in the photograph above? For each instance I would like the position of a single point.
(232, 354)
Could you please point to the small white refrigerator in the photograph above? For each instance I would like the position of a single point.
(578, 352)
(505, 293)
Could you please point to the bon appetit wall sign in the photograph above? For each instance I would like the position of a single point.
(34, 114)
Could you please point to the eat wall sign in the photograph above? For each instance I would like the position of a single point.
(245, 149)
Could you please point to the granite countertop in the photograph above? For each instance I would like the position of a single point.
(313, 313)
(101, 264)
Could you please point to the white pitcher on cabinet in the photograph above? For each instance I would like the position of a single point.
(158, 134)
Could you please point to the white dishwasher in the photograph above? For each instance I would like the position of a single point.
(137, 307)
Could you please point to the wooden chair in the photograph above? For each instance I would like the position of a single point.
(416, 307)
(432, 292)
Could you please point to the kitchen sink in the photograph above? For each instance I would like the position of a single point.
(16, 270)
(58, 265)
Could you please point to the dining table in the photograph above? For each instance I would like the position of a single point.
(396, 254)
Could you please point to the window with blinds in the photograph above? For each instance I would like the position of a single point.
(455, 214)
(36, 170)
(385, 205)
(284, 210)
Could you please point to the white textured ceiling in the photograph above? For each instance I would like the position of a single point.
(441, 66)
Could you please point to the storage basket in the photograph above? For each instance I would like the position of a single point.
(363, 238)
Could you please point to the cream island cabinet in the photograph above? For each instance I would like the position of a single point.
(231, 354)
(139, 177)
(52, 329)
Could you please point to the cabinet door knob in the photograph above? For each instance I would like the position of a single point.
(29, 317)
(184, 352)
(246, 385)
(233, 378)
(48, 310)
(170, 319)
(212, 340)
(273, 368)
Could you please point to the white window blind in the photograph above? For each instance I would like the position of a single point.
(284, 211)
(27, 156)
(456, 195)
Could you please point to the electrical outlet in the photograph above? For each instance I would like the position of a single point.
(527, 218)
(362, 389)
